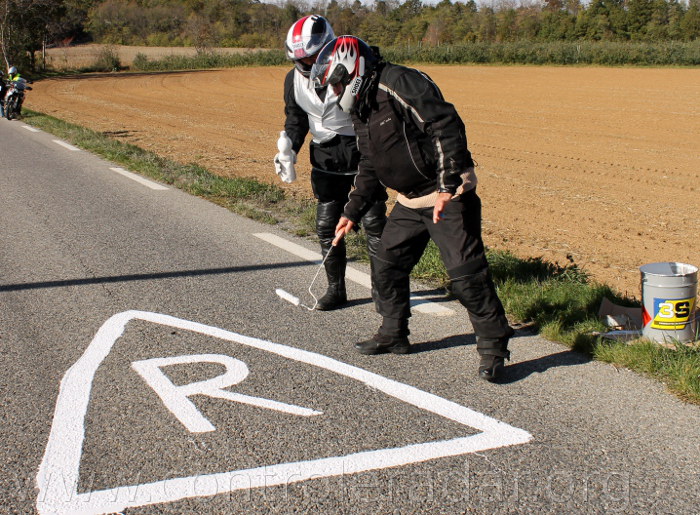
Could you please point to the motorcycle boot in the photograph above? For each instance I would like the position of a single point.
(392, 337)
(336, 294)
(327, 216)
(493, 354)
(477, 293)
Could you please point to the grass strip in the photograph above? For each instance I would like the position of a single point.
(581, 53)
(204, 60)
(566, 53)
(559, 301)
(677, 366)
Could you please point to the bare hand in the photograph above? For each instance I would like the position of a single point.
(344, 226)
(440, 204)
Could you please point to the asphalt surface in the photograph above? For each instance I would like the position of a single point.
(120, 305)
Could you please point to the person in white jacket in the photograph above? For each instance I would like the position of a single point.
(333, 152)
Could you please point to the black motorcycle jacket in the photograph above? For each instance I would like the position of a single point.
(410, 139)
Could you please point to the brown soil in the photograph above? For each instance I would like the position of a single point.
(597, 166)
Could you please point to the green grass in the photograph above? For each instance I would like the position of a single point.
(206, 60)
(561, 302)
(678, 366)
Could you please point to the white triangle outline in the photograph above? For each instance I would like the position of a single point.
(59, 470)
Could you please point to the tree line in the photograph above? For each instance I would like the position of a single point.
(27, 26)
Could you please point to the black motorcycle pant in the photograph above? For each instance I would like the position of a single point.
(458, 236)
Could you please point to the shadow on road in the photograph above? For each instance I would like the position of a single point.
(446, 343)
(515, 372)
(520, 371)
(144, 277)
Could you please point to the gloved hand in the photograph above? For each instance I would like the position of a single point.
(282, 167)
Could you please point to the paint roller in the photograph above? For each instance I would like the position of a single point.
(295, 300)
(288, 297)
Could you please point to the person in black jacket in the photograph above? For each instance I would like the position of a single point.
(333, 152)
(414, 142)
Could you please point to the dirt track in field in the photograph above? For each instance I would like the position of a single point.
(596, 165)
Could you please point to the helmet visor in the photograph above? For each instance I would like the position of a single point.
(321, 75)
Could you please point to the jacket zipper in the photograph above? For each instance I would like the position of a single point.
(408, 148)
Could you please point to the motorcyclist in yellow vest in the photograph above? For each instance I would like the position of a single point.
(13, 74)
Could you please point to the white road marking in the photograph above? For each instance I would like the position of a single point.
(30, 128)
(176, 398)
(418, 302)
(59, 471)
(139, 179)
(66, 145)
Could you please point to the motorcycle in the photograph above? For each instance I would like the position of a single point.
(14, 97)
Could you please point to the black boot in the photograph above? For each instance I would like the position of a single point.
(493, 355)
(380, 343)
(391, 337)
(327, 216)
(336, 295)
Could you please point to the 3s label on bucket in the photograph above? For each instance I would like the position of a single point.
(671, 313)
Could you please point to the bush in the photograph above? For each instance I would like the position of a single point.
(106, 61)
(210, 60)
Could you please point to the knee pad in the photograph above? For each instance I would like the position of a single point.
(375, 219)
(373, 223)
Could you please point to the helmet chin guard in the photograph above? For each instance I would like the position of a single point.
(348, 98)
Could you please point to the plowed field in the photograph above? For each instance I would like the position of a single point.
(596, 165)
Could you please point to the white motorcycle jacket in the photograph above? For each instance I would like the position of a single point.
(306, 112)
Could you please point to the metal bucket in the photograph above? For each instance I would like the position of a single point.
(669, 292)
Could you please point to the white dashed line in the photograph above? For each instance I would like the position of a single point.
(30, 129)
(139, 179)
(418, 302)
(66, 145)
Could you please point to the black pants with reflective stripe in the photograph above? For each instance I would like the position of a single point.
(458, 236)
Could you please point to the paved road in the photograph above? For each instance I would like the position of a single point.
(149, 367)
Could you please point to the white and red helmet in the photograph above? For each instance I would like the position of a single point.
(343, 63)
(306, 38)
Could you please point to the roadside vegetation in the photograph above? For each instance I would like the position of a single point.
(558, 300)
(523, 52)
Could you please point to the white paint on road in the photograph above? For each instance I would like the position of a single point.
(176, 398)
(30, 128)
(420, 303)
(139, 179)
(60, 467)
(66, 145)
